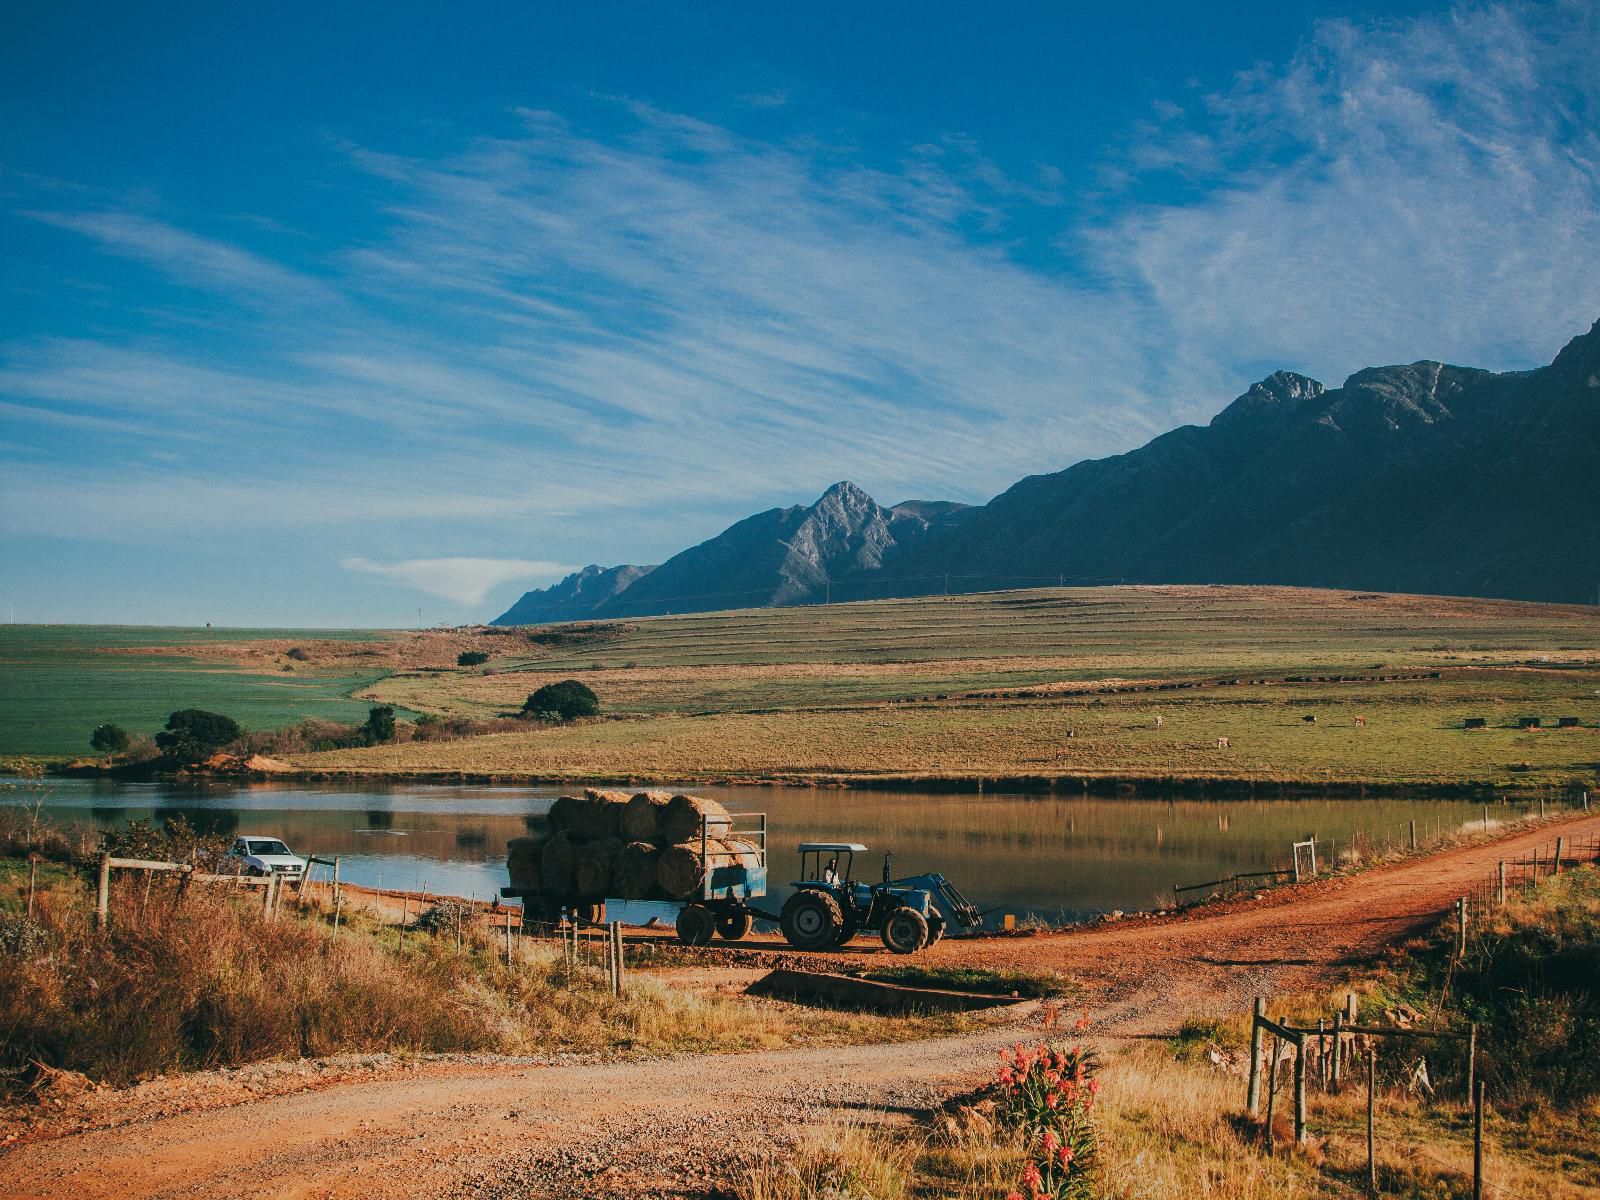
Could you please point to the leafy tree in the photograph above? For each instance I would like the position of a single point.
(194, 733)
(564, 701)
(380, 725)
(471, 658)
(109, 738)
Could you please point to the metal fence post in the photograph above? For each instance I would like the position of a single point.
(1372, 1145)
(1477, 1141)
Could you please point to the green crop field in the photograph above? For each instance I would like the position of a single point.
(57, 682)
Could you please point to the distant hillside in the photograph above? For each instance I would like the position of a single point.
(579, 593)
(1422, 478)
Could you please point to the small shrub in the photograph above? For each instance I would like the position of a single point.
(471, 658)
(564, 701)
(21, 935)
(379, 726)
(443, 916)
(109, 738)
(299, 654)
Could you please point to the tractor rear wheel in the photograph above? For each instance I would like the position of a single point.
(696, 924)
(811, 920)
(905, 930)
(848, 930)
(734, 924)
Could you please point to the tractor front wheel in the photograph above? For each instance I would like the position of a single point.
(935, 930)
(811, 920)
(696, 924)
(731, 926)
(905, 930)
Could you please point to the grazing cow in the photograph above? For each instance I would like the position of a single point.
(1223, 743)
(1310, 718)
(1160, 721)
(1361, 722)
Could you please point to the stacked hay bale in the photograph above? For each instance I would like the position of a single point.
(644, 846)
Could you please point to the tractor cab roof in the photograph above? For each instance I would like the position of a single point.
(832, 847)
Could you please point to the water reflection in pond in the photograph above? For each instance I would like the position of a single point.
(1054, 857)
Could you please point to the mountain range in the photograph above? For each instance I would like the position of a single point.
(1422, 478)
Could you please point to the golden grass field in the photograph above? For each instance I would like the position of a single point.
(1013, 684)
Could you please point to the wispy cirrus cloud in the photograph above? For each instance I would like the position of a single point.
(608, 346)
(188, 257)
(464, 580)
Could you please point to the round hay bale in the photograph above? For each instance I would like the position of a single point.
(641, 816)
(557, 858)
(603, 818)
(564, 813)
(680, 819)
(733, 852)
(635, 871)
(524, 862)
(678, 871)
(594, 867)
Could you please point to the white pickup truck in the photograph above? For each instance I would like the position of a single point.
(267, 856)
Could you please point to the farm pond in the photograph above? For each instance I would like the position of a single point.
(1053, 858)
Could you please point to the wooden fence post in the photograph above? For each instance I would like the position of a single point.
(1501, 892)
(1472, 1057)
(1372, 1145)
(1461, 926)
(1561, 847)
(1272, 1090)
(33, 871)
(1253, 1095)
(102, 899)
(1300, 1090)
(1413, 833)
(508, 937)
(1477, 1141)
(1322, 1052)
(1338, 1050)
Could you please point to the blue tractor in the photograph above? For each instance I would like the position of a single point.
(829, 906)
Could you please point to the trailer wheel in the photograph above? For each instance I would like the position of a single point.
(734, 924)
(695, 925)
(588, 913)
(905, 930)
(811, 920)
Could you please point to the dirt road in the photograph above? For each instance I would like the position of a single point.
(620, 1130)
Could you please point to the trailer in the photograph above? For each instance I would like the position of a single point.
(727, 873)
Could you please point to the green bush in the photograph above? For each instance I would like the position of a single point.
(564, 701)
(109, 738)
(380, 725)
(471, 658)
(194, 733)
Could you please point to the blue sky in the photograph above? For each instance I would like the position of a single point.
(322, 315)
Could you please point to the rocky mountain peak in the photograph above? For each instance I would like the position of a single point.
(1279, 396)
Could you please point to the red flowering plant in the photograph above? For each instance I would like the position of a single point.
(1049, 1092)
